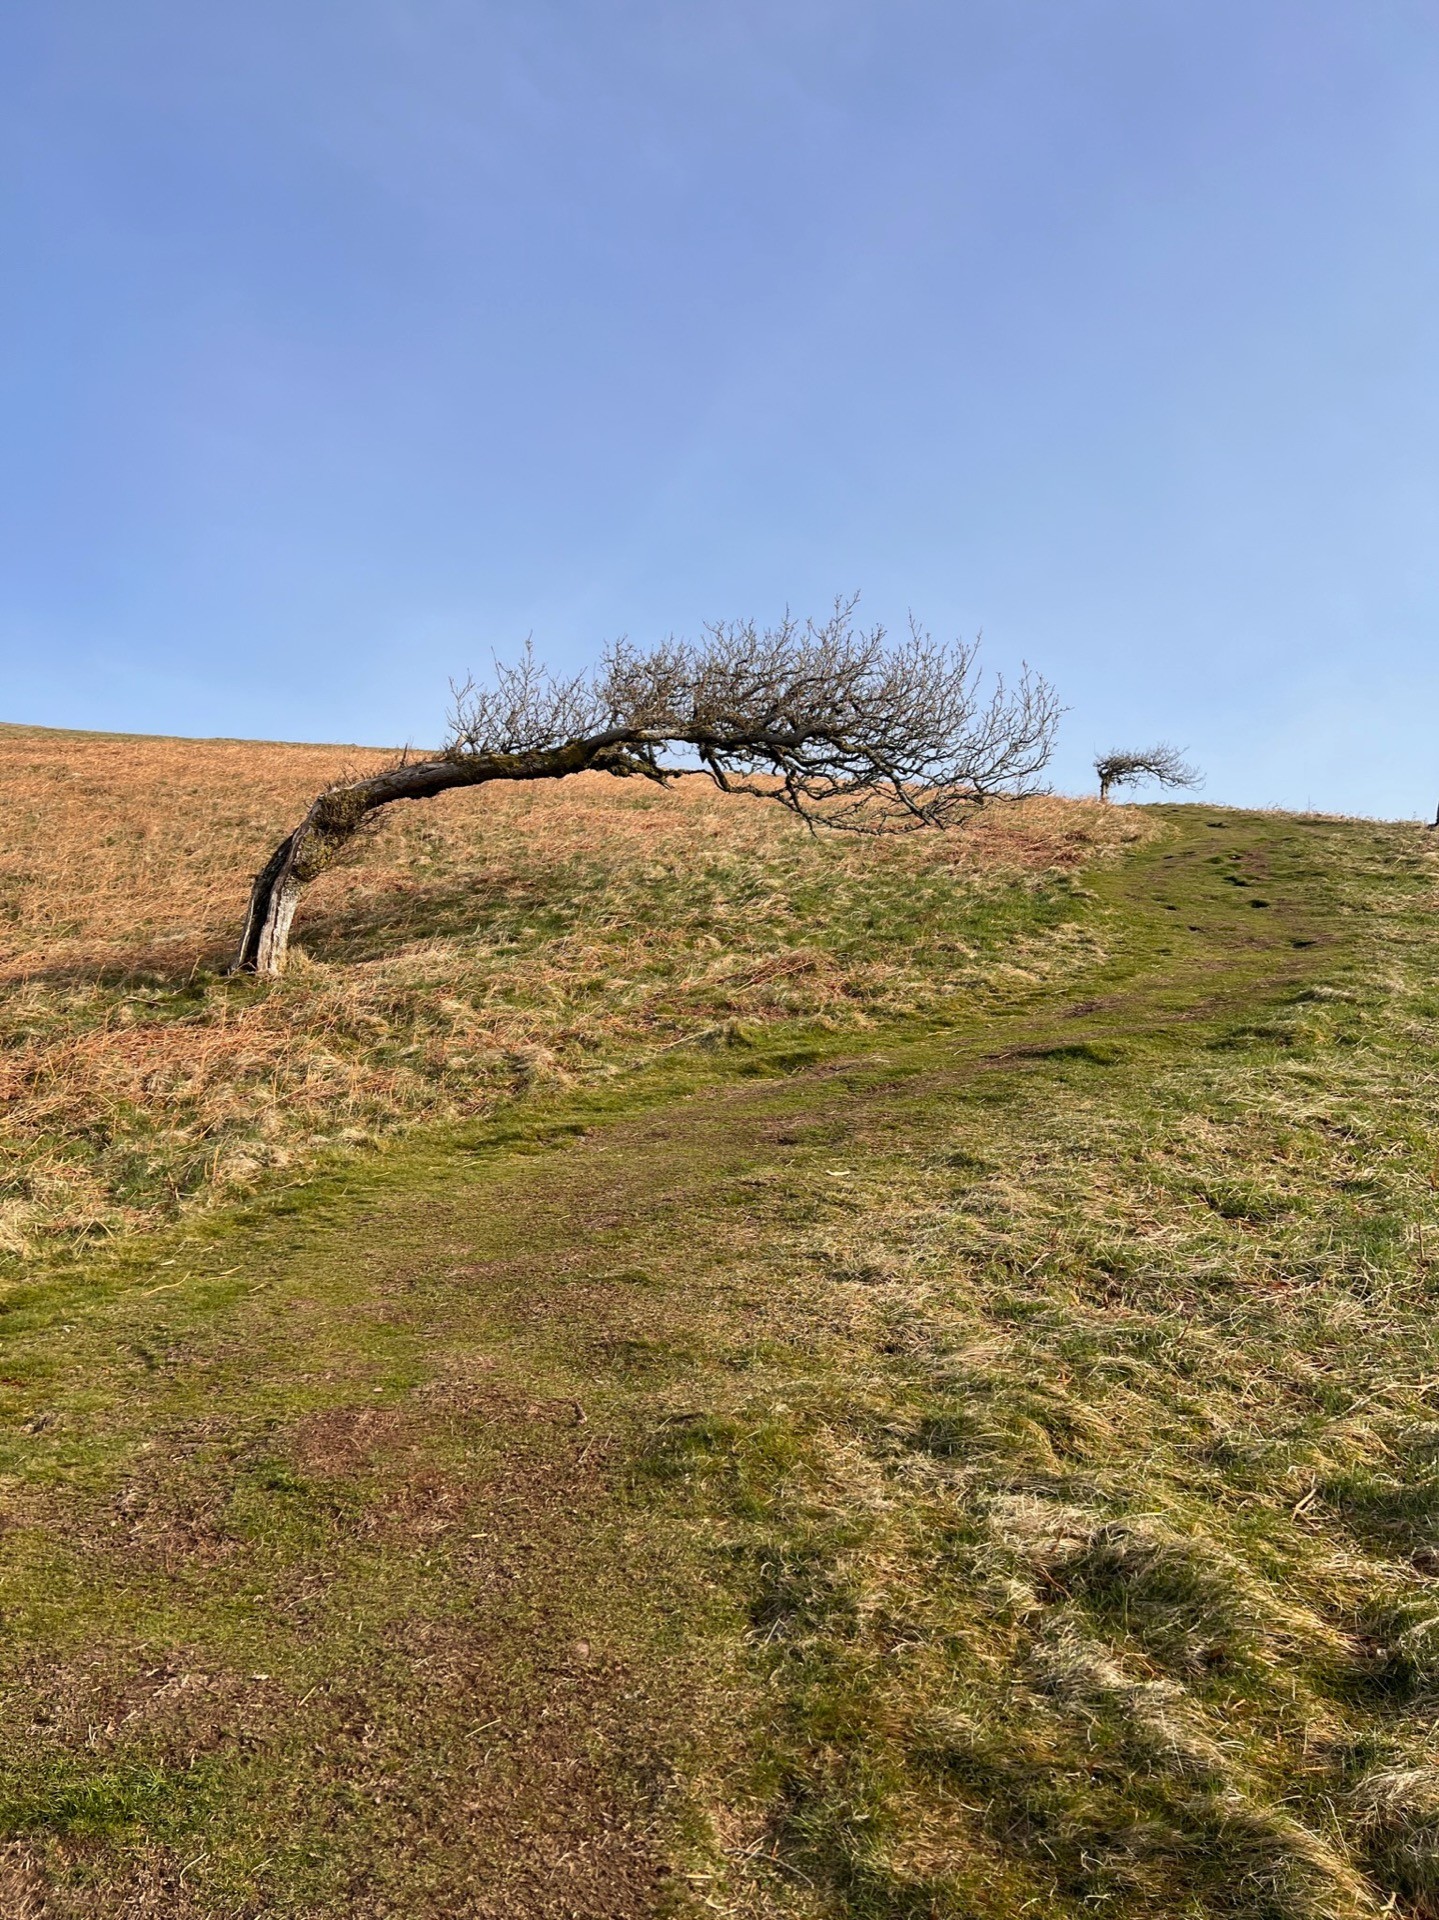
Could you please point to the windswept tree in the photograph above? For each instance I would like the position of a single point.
(838, 724)
(1165, 765)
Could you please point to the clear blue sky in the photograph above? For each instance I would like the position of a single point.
(344, 340)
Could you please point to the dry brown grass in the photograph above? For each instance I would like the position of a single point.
(475, 944)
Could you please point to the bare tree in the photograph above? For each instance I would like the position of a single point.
(834, 722)
(1162, 764)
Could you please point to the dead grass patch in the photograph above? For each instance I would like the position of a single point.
(149, 1885)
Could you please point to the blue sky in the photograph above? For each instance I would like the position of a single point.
(346, 340)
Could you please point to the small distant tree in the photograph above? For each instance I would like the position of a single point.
(837, 724)
(1165, 765)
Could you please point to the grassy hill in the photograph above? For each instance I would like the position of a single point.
(961, 1439)
(478, 945)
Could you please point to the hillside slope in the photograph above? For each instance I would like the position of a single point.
(475, 946)
(979, 1465)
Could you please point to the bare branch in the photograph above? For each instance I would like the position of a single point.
(523, 711)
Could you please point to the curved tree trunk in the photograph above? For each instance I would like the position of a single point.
(338, 814)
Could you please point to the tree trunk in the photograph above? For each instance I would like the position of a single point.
(273, 899)
(339, 812)
(1104, 789)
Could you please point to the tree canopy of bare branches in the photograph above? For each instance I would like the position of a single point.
(1163, 764)
(833, 721)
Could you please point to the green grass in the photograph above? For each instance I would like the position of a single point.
(986, 1466)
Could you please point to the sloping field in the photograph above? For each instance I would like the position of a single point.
(979, 1463)
(478, 944)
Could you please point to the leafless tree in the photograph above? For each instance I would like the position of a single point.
(838, 724)
(1164, 764)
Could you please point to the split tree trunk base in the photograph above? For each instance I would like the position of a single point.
(273, 899)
